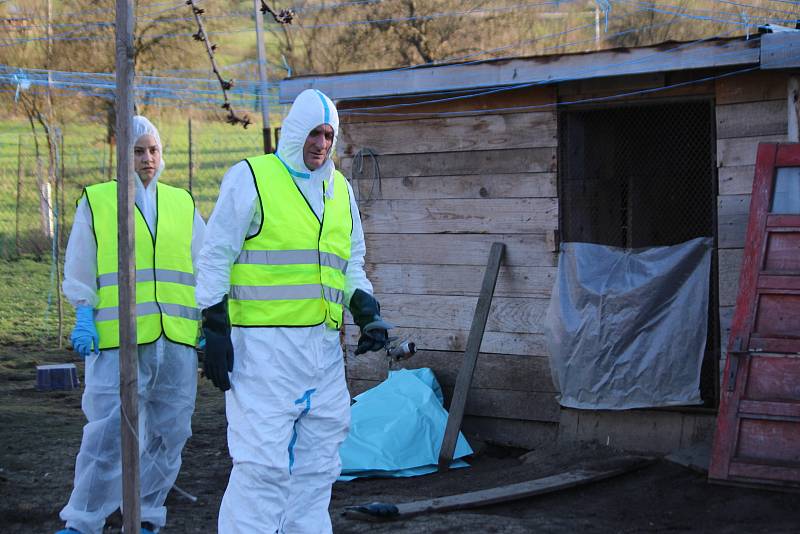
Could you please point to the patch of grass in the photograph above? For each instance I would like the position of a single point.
(28, 304)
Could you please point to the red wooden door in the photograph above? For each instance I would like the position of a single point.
(757, 439)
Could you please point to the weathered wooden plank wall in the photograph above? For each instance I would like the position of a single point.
(449, 187)
(750, 108)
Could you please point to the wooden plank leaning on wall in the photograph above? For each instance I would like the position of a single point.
(449, 186)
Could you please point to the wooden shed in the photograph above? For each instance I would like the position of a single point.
(627, 147)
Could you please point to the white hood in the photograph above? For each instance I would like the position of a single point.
(310, 109)
(141, 126)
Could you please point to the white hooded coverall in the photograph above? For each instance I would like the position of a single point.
(288, 408)
(167, 387)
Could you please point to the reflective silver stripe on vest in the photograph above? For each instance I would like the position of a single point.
(146, 275)
(299, 292)
(291, 257)
(176, 310)
(332, 260)
(176, 277)
(149, 308)
(112, 313)
(278, 257)
(111, 279)
(333, 295)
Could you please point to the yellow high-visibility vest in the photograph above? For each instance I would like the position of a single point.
(292, 272)
(165, 278)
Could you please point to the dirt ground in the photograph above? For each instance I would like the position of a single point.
(40, 435)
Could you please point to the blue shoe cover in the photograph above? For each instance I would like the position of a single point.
(147, 531)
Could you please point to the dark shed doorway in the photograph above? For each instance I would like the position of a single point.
(639, 175)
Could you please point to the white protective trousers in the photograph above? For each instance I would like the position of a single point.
(288, 412)
(167, 387)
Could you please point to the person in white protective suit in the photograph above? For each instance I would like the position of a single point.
(169, 234)
(283, 256)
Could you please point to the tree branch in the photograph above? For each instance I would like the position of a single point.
(285, 16)
(226, 85)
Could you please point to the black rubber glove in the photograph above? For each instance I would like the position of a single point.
(367, 314)
(218, 358)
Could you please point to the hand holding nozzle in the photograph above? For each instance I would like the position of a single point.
(374, 330)
(367, 315)
(402, 351)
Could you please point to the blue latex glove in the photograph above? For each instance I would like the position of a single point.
(84, 336)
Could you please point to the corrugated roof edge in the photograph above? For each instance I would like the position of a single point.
(504, 72)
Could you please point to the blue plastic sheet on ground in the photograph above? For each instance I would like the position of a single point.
(397, 427)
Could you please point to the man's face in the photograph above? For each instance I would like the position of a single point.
(146, 158)
(317, 145)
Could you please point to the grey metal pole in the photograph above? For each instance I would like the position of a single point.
(262, 75)
(128, 349)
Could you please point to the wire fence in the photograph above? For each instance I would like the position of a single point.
(642, 175)
(39, 189)
(638, 175)
(37, 203)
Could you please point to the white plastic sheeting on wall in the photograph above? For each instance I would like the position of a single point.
(627, 328)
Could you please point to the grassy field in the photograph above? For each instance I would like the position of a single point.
(28, 305)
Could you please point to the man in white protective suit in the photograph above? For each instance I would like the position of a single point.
(169, 234)
(284, 254)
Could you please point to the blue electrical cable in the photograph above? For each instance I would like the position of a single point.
(648, 7)
(532, 84)
(153, 87)
(248, 91)
(556, 104)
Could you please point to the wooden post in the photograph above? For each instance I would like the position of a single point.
(262, 75)
(59, 217)
(191, 158)
(62, 201)
(128, 349)
(110, 166)
(19, 193)
(474, 340)
(52, 203)
(793, 108)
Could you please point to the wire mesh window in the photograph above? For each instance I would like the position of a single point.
(638, 175)
(642, 175)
